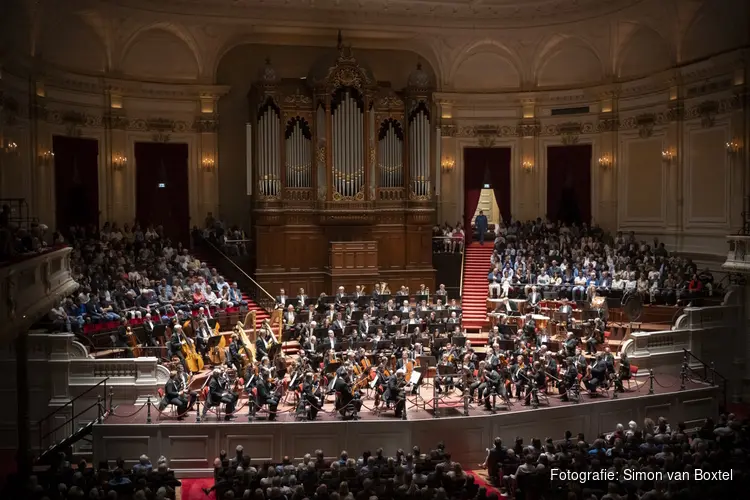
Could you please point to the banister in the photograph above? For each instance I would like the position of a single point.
(461, 282)
(103, 381)
(268, 296)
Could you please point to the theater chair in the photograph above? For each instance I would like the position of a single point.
(631, 380)
(165, 405)
(208, 403)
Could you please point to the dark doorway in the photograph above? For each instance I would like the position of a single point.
(162, 197)
(569, 183)
(488, 167)
(76, 182)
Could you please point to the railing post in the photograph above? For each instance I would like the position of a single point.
(111, 398)
(466, 404)
(148, 410)
(99, 409)
(713, 373)
(683, 373)
(650, 381)
(403, 413)
(198, 409)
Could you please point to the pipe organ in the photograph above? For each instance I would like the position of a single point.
(339, 156)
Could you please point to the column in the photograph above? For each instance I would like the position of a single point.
(208, 193)
(23, 458)
(605, 182)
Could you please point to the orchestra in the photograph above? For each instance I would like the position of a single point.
(362, 345)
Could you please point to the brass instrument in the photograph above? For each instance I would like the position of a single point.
(384, 290)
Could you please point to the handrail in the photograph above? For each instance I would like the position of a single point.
(706, 368)
(98, 403)
(461, 282)
(267, 297)
(70, 403)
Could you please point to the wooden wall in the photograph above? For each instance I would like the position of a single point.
(293, 248)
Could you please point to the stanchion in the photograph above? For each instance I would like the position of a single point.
(683, 373)
(493, 410)
(148, 410)
(403, 412)
(650, 382)
(111, 398)
(713, 374)
(100, 409)
(250, 410)
(198, 412)
(466, 405)
(434, 398)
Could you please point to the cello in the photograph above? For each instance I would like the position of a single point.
(193, 361)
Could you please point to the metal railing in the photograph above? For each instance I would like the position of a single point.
(461, 282)
(709, 373)
(19, 212)
(247, 284)
(75, 415)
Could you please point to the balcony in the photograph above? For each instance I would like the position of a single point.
(30, 287)
(738, 257)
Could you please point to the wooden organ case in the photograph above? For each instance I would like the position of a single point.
(340, 157)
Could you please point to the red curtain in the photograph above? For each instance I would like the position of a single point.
(162, 196)
(485, 165)
(76, 182)
(569, 183)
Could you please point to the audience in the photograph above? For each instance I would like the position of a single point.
(577, 262)
(131, 273)
(17, 241)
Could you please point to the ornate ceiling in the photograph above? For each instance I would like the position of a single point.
(425, 13)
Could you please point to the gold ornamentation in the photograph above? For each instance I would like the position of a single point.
(390, 101)
(297, 99)
(347, 77)
(320, 155)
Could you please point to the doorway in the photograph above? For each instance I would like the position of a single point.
(162, 196)
(76, 182)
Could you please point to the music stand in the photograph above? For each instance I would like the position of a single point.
(459, 340)
(411, 327)
(357, 315)
(439, 342)
(506, 345)
(384, 345)
(392, 329)
(403, 342)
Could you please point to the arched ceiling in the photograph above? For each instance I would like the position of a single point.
(426, 13)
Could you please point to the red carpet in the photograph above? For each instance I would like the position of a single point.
(191, 488)
(474, 296)
(479, 479)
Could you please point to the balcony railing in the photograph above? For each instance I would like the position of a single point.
(738, 256)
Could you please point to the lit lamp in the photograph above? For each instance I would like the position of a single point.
(119, 162)
(46, 157)
(8, 147)
(668, 156)
(527, 166)
(447, 164)
(733, 147)
(605, 161)
(208, 163)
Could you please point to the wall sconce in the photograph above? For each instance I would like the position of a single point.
(605, 161)
(733, 147)
(46, 157)
(119, 162)
(208, 163)
(668, 156)
(8, 147)
(447, 164)
(527, 166)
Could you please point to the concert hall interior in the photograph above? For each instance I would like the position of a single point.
(369, 245)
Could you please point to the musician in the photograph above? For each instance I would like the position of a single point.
(173, 395)
(308, 395)
(535, 297)
(346, 400)
(493, 385)
(439, 305)
(597, 336)
(551, 364)
(331, 341)
(340, 295)
(301, 298)
(446, 364)
(364, 325)
(235, 358)
(266, 394)
(148, 331)
(175, 345)
(122, 339)
(261, 344)
(528, 333)
(609, 360)
(339, 323)
(404, 361)
(371, 308)
(538, 379)
(571, 343)
(453, 319)
(394, 392)
(218, 393)
(520, 376)
(479, 385)
(184, 380)
(310, 345)
(202, 332)
(598, 376)
(569, 380)
(358, 292)
(442, 291)
(331, 313)
(281, 299)
(289, 317)
(623, 372)
(376, 292)
(405, 307)
(390, 306)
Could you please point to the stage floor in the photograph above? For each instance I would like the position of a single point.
(418, 407)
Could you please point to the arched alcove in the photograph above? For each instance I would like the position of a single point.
(67, 41)
(569, 62)
(644, 52)
(717, 27)
(159, 54)
(485, 71)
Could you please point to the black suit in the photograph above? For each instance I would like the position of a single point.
(217, 395)
(393, 394)
(345, 397)
(121, 341)
(148, 330)
(260, 348)
(172, 396)
(234, 358)
(265, 397)
(364, 326)
(308, 395)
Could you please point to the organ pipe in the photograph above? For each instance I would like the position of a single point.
(298, 157)
(390, 155)
(320, 127)
(268, 153)
(348, 147)
(438, 158)
(249, 158)
(419, 158)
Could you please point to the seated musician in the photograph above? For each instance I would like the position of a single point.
(266, 394)
(404, 360)
(538, 379)
(289, 317)
(493, 385)
(528, 332)
(340, 295)
(413, 319)
(423, 306)
(609, 360)
(598, 375)
(569, 380)
(218, 393)
(571, 343)
(235, 358)
(202, 332)
(309, 396)
(520, 376)
(339, 323)
(453, 319)
(442, 291)
(394, 392)
(175, 345)
(376, 292)
(346, 401)
(454, 306)
(281, 299)
(550, 364)
(445, 363)
(623, 372)
(439, 305)
(173, 395)
(403, 291)
(405, 307)
(349, 311)
(581, 361)
(597, 336)
(331, 342)
(479, 385)
(364, 325)
(184, 380)
(372, 308)
(262, 344)
(390, 306)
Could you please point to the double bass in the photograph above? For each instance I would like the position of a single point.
(217, 354)
(133, 341)
(193, 360)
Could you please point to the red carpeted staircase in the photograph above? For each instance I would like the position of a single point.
(475, 285)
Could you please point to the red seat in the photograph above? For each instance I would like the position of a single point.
(633, 369)
(160, 392)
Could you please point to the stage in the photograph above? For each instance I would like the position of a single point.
(191, 446)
